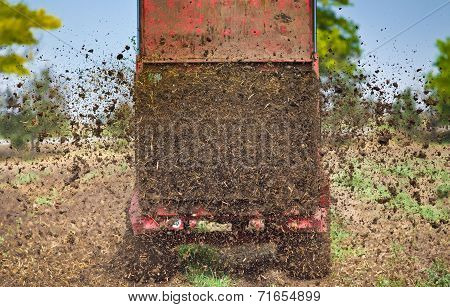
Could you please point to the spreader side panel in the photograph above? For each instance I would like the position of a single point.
(226, 30)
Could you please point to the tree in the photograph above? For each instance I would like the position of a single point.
(345, 113)
(11, 125)
(339, 48)
(404, 111)
(338, 41)
(120, 124)
(439, 82)
(16, 24)
(36, 114)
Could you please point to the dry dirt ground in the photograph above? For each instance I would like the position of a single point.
(62, 217)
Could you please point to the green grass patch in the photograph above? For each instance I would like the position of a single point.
(438, 275)
(43, 200)
(89, 176)
(204, 278)
(46, 200)
(403, 170)
(387, 282)
(443, 190)
(26, 178)
(361, 182)
(417, 168)
(123, 167)
(430, 213)
(397, 249)
(385, 127)
(339, 236)
(201, 261)
(437, 174)
(2, 240)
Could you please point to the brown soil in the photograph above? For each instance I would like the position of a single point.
(59, 231)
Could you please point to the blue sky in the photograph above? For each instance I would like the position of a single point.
(107, 26)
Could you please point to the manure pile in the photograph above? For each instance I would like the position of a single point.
(231, 137)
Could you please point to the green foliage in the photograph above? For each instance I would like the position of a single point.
(397, 248)
(443, 190)
(339, 47)
(17, 22)
(43, 200)
(430, 213)
(360, 181)
(415, 168)
(13, 126)
(13, 63)
(338, 41)
(37, 114)
(345, 113)
(386, 282)
(120, 124)
(438, 275)
(339, 235)
(123, 167)
(404, 112)
(46, 200)
(363, 178)
(89, 176)
(26, 178)
(204, 278)
(440, 82)
(403, 170)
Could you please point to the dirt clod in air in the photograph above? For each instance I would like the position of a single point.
(228, 137)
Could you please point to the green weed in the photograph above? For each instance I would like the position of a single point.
(403, 170)
(123, 167)
(430, 213)
(437, 174)
(89, 176)
(46, 200)
(43, 200)
(438, 275)
(339, 235)
(385, 127)
(397, 248)
(2, 240)
(386, 282)
(362, 183)
(204, 278)
(443, 190)
(26, 178)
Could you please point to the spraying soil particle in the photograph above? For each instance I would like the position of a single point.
(228, 136)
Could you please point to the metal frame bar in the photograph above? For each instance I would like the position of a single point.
(138, 28)
(315, 25)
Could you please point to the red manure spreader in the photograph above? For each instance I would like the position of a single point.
(228, 135)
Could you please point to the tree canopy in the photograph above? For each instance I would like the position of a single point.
(35, 113)
(440, 82)
(338, 41)
(404, 111)
(16, 24)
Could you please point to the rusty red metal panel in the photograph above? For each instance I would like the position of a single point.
(226, 30)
